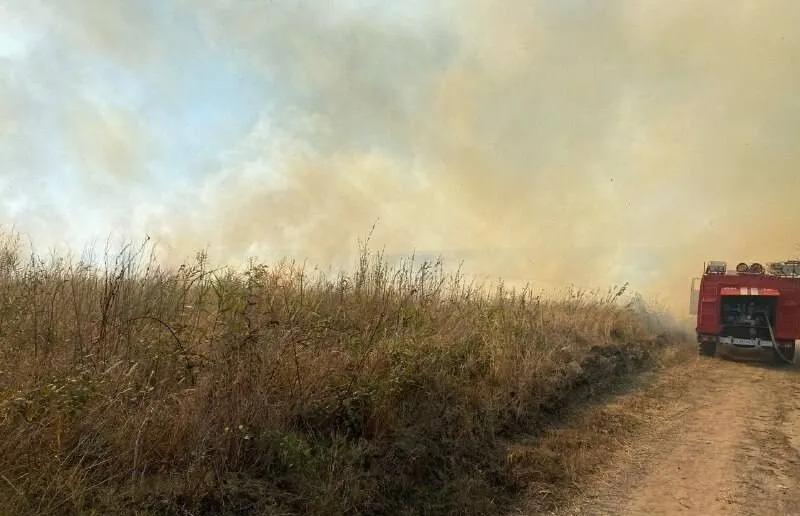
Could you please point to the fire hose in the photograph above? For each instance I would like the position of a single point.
(775, 344)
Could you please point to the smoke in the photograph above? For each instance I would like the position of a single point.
(545, 141)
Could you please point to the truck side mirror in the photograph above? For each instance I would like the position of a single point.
(694, 297)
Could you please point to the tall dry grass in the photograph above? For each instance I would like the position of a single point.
(391, 390)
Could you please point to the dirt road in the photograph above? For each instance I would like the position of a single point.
(722, 437)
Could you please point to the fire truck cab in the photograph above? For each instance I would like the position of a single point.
(750, 307)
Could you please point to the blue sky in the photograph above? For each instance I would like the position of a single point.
(114, 121)
(181, 112)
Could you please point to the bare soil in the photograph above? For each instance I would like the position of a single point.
(714, 436)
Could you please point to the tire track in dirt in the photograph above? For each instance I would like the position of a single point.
(770, 456)
(723, 437)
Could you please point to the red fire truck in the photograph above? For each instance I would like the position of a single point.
(751, 307)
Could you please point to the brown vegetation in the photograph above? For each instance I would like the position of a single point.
(391, 390)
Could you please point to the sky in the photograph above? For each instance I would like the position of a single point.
(542, 141)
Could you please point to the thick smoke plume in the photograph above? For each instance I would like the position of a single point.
(545, 141)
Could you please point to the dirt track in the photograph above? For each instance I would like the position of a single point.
(721, 437)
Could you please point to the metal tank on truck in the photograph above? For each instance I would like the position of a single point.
(750, 307)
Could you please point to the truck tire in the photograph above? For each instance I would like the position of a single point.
(707, 348)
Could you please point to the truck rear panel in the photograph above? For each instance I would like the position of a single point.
(751, 307)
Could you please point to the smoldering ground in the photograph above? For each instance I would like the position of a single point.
(545, 141)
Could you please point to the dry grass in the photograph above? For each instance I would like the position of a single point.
(131, 388)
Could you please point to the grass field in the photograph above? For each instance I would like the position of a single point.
(132, 388)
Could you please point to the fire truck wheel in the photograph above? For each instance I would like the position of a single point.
(707, 348)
